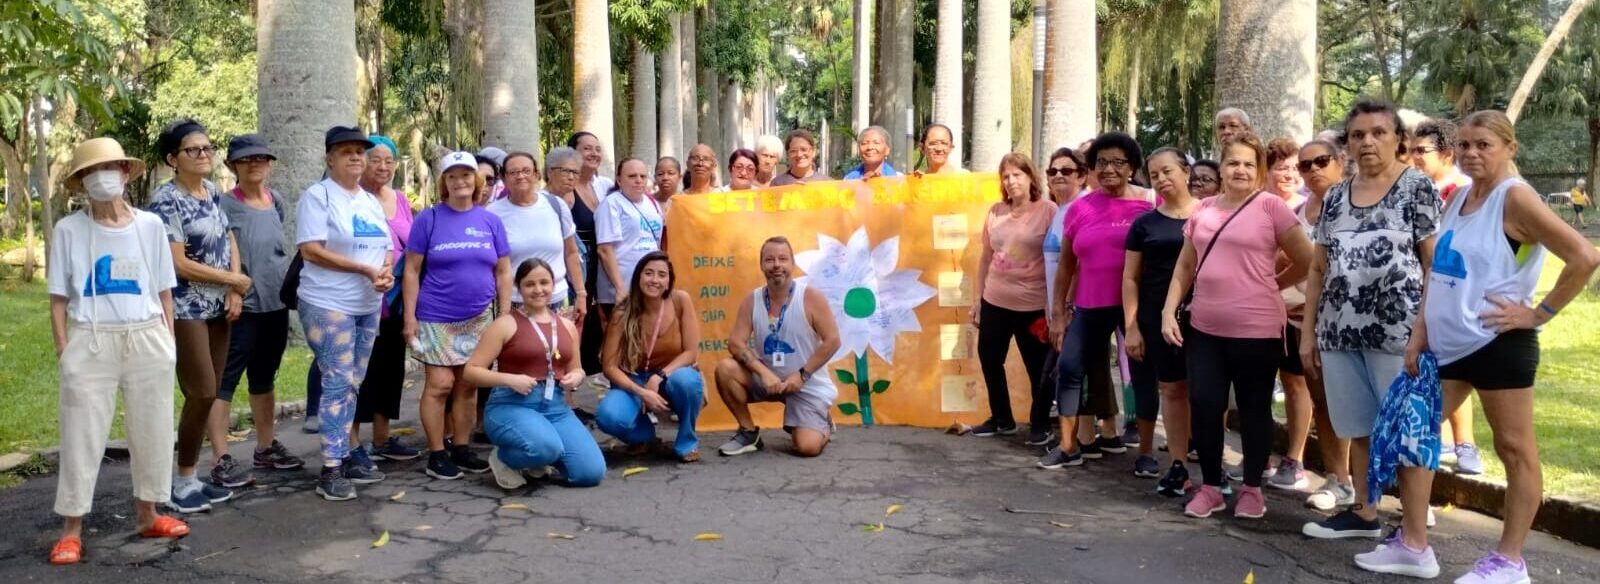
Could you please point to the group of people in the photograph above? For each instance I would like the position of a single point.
(1331, 266)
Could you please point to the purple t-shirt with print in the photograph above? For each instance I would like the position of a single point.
(460, 249)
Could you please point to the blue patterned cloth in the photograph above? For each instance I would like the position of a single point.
(1406, 431)
(202, 227)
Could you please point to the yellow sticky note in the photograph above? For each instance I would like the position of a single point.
(955, 341)
(950, 232)
(954, 289)
(958, 393)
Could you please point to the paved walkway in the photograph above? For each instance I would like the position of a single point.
(781, 519)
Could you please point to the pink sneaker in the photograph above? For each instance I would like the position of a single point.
(1206, 501)
(1250, 504)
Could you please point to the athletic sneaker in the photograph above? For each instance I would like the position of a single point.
(1176, 481)
(213, 493)
(504, 476)
(1227, 487)
(1047, 437)
(276, 457)
(1496, 569)
(394, 449)
(333, 486)
(1235, 473)
(989, 428)
(1055, 458)
(1146, 467)
(229, 473)
(312, 425)
(1290, 476)
(1346, 524)
(1091, 450)
(1333, 494)
(1206, 501)
(468, 460)
(191, 502)
(359, 469)
(1130, 434)
(1111, 445)
(1467, 460)
(362, 458)
(441, 467)
(1251, 503)
(743, 442)
(1394, 557)
(1193, 455)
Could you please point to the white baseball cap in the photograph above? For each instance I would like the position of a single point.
(462, 159)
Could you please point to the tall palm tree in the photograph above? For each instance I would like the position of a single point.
(947, 78)
(644, 103)
(1558, 33)
(305, 83)
(892, 92)
(861, 99)
(690, 98)
(991, 85)
(510, 84)
(1070, 54)
(592, 101)
(464, 31)
(669, 138)
(1267, 64)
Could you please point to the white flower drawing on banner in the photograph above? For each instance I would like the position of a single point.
(872, 300)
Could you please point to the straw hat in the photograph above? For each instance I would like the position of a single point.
(99, 151)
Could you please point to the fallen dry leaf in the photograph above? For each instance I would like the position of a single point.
(402, 432)
(554, 535)
(708, 537)
(633, 470)
(958, 429)
(424, 527)
(383, 540)
(895, 508)
(515, 506)
(869, 528)
(397, 496)
(1250, 578)
(1060, 524)
(1448, 507)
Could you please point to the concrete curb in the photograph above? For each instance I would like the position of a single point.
(1561, 516)
(118, 449)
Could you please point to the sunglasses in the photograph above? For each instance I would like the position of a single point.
(1422, 150)
(1062, 171)
(1318, 163)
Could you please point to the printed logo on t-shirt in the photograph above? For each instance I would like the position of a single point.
(1446, 260)
(113, 276)
(774, 345)
(650, 226)
(360, 227)
(1052, 242)
(475, 232)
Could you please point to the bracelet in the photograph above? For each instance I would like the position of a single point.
(1548, 310)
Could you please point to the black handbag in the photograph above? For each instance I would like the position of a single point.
(1188, 297)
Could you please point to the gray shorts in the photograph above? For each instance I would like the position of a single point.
(800, 410)
(1355, 383)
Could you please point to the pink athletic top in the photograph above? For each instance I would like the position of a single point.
(1096, 228)
(1236, 292)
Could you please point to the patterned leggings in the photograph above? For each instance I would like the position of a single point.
(341, 343)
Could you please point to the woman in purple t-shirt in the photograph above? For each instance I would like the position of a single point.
(1092, 237)
(448, 305)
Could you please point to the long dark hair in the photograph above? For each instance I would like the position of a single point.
(632, 312)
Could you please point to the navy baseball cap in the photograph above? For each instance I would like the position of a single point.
(248, 145)
(340, 134)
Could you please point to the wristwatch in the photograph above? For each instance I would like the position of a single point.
(804, 375)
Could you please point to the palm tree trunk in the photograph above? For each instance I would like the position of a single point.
(1131, 125)
(510, 85)
(464, 29)
(947, 78)
(1266, 64)
(305, 83)
(592, 103)
(1558, 33)
(991, 85)
(731, 110)
(689, 98)
(861, 87)
(643, 80)
(892, 90)
(669, 138)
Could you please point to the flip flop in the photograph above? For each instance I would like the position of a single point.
(165, 526)
(68, 550)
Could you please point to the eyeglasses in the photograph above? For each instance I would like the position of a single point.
(1318, 163)
(563, 169)
(1422, 150)
(491, 180)
(198, 152)
(1062, 171)
(1202, 180)
(1108, 163)
(521, 172)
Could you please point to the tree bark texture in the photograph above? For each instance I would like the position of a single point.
(948, 82)
(510, 83)
(592, 101)
(306, 83)
(991, 85)
(1266, 64)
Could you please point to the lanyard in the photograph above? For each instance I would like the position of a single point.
(643, 221)
(551, 353)
(650, 344)
(773, 326)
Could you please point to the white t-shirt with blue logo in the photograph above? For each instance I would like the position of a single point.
(110, 275)
(1052, 254)
(350, 224)
(634, 228)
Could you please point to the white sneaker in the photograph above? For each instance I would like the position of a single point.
(504, 476)
(1333, 495)
(1496, 569)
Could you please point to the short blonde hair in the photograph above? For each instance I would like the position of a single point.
(769, 143)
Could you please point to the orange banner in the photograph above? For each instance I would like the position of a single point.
(895, 257)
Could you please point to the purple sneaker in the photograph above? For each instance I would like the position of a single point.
(1496, 569)
(1393, 556)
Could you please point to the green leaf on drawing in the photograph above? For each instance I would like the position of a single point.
(845, 376)
(849, 409)
(880, 386)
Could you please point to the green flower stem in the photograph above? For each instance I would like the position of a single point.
(863, 389)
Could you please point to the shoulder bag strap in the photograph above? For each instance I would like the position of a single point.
(1218, 235)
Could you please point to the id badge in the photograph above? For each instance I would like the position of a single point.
(778, 359)
(549, 389)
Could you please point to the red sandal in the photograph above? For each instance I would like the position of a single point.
(68, 551)
(166, 527)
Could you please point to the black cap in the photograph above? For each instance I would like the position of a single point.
(340, 134)
(248, 145)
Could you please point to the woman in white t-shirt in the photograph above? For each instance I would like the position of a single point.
(344, 240)
(539, 225)
(110, 279)
(627, 226)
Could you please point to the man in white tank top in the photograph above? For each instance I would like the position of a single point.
(783, 334)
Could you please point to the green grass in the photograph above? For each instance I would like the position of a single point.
(28, 376)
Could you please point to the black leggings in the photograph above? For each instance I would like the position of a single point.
(996, 327)
(1087, 346)
(1248, 366)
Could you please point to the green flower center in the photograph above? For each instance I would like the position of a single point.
(860, 303)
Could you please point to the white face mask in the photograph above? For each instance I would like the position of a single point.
(103, 185)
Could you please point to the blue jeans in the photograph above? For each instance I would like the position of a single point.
(621, 413)
(342, 343)
(532, 432)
